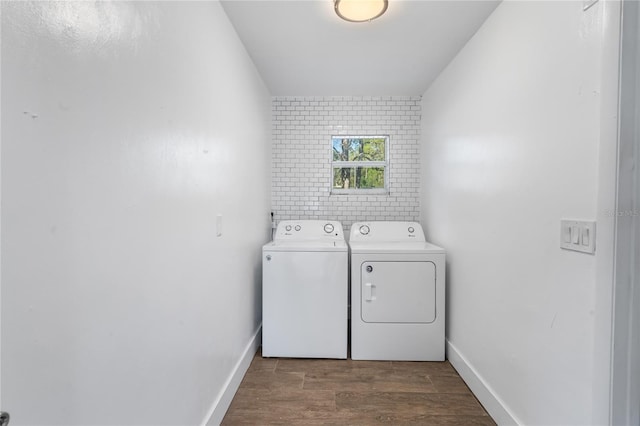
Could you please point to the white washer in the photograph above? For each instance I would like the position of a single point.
(305, 291)
(397, 293)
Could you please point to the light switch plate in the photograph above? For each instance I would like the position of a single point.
(578, 235)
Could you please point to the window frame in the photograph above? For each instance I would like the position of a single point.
(365, 164)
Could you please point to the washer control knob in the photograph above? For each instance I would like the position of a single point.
(364, 229)
(369, 268)
(411, 230)
(298, 227)
(328, 228)
(288, 227)
(268, 257)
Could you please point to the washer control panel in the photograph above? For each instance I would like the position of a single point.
(387, 232)
(309, 230)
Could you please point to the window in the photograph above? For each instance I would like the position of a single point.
(359, 164)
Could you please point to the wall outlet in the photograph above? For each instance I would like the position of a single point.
(578, 235)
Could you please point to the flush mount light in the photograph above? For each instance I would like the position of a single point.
(360, 10)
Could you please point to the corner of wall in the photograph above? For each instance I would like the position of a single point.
(222, 402)
(489, 399)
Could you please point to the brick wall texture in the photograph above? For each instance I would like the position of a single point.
(301, 172)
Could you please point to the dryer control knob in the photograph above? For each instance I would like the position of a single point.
(369, 268)
(328, 228)
(411, 230)
(288, 228)
(298, 227)
(364, 229)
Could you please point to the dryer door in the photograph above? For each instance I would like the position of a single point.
(398, 292)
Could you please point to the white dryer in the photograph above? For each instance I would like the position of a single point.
(397, 293)
(305, 291)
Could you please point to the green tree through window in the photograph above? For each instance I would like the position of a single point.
(359, 163)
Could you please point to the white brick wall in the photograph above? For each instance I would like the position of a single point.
(301, 172)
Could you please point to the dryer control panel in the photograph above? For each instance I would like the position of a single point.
(387, 232)
(296, 230)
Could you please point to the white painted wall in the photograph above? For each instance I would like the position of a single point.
(126, 128)
(301, 174)
(511, 140)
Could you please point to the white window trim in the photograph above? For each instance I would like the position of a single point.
(338, 164)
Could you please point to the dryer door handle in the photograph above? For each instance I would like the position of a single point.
(369, 292)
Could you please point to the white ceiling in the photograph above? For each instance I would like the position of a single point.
(302, 48)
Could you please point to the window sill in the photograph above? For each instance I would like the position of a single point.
(377, 191)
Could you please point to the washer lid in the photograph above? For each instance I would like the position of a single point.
(394, 247)
(306, 245)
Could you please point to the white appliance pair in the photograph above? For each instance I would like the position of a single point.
(397, 292)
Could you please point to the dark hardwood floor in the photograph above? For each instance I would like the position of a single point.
(279, 391)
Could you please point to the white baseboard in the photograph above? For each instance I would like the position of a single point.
(221, 404)
(487, 397)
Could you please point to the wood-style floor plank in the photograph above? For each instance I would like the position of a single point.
(425, 367)
(368, 380)
(279, 391)
(449, 384)
(405, 406)
(272, 380)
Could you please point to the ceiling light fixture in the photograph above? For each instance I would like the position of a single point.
(360, 10)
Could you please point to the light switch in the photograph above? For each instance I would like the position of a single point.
(578, 235)
(575, 234)
(219, 225)
(585, 236)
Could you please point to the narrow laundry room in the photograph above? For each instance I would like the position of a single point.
(248, 212)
